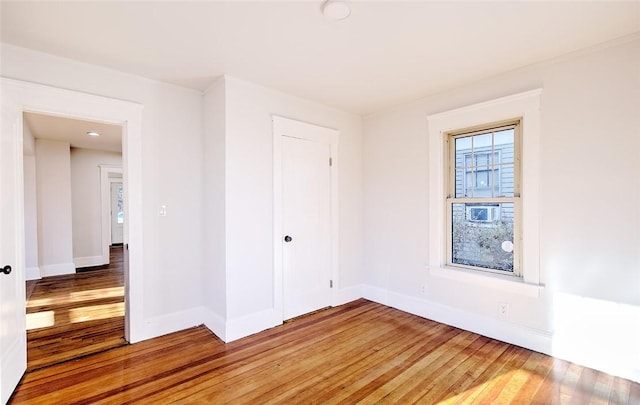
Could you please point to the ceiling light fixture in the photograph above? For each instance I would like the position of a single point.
(336, 9)
(93, 133)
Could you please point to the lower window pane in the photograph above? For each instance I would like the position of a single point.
(483, 235)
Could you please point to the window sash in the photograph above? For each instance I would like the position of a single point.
(494, 167)
(517, 240)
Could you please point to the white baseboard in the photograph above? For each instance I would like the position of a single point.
(89, 261)
(533, 339)
(173, 322)
(234, 329)
(32, 273)
(375, 294)
(344, 295)
(529, 338)
(216, 324)
(248, 325)
(57, 269)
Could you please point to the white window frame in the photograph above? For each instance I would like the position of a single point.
(527, 107)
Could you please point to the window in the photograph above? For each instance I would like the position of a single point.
(119, 205)
(478, 180)
(483, 213)
(483, 194)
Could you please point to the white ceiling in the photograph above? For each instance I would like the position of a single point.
(75, 131)
(386, 53)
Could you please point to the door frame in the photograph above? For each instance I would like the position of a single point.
(281, 125)
(105, 194)
(37, 98)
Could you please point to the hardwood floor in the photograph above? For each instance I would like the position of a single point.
(74, 315)
(361, 352)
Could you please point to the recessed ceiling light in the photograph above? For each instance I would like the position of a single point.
(336, 9)
(93, 133)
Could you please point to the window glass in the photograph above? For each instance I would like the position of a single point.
(482, 235)
(119, 205)
(504, 140)
(482, 221)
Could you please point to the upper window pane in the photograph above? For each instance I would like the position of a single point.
(461, 145)
(460, 183)
(484, 164)
(482, 141)
(507, 179)
(504, 141)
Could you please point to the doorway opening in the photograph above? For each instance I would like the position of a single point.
(19, 97)
(75, 288)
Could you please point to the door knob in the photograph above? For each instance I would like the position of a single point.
(288, 238)
(6, 269)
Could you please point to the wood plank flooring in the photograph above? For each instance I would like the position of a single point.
(361, 352)
(74, 315)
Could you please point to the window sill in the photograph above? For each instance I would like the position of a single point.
(504, 283)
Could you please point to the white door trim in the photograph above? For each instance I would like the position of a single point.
(279, 129)
(105, 210)
(43, 99)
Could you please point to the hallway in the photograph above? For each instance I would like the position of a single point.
(75, 315)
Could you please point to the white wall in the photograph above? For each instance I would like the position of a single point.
(30, 208)
(172, 175)
(589, 221)
(87, 202)
(248, 185)
(53, 188)
(214, 277)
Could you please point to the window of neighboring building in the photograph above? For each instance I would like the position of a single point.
(480, 178)
(483, 178)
